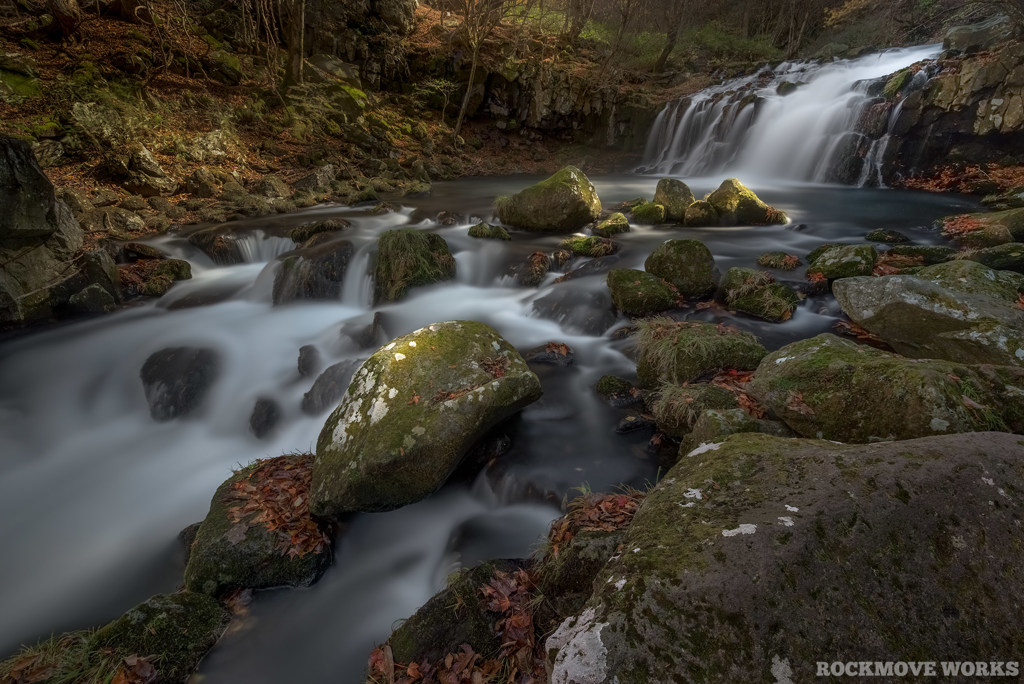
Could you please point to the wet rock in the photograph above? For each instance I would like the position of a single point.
(715, 425)
(892, 237)
(634, 422)
(598, 266)
(563, 203)
(218, 245)
(677, 407)
(686, 264)
(264, 418)
(675, 196)
(177, 379)
(249, 540)
(687, 351)
(733, 555)
(979, 36)
(987, 229)
(737, 205)
(316, 272)
(1008, 257)
(531, 272)
(552, 354)
(779, 260)
(842, 261)
(488, 232)
(931, 254)
(833, 388)
(701, 214)
(157, 281)
(409, 258)
(303, 233)
(577, 309)
(649, 214)
(92, 299)
(591, 246)
(613, 225)
(959, 310)
(618, 392)
(449, 218)
(758, 294)
(328, 388)
(638, 293)
(413, 410)
(309, 360)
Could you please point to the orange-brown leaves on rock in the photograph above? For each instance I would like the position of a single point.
(31, 668)
(1020, 302)
(736, 381)
(463, 667)
(135, 670)
(963, 224)
(496, 366)
(967, 179)
(795, 402)
(275, 493)
(557, 348)
(512, 596)
(851, 329)
(594, 512)
(893, 264)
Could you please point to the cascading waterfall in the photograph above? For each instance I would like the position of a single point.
(799, 121)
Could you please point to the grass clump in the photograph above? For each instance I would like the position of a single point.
(779, 260)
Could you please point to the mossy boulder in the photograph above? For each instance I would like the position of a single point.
(638, 293)
(303, 233)
(737, 205)
(1008, 257)
(613, 225)
(749, 561)
(930, 254)
(675, 196)
(566, 578)
(892, 237)
(412, 411)
(617, 391)
(563, 203)
(688, 351)
(779, 260)
(531, 271)
(408, 258)
(833, 388)
(487, 231)
(592, 246)
(314, 272)
(987, 229)
(958, 310)
(178, 628)
(701, 214)
(687, 264)
(758, 294)
(235, 547)
(677, 407)
(714, 425)
(649, 213)
(842, 261)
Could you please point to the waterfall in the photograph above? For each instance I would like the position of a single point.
(802, 121)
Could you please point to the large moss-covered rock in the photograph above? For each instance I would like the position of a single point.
(737, 205)
(714, 425)
(842, 261)
(675, 196)
(613, 225)
(592, 246)
(758, 294)
(958, 310)
(748, 562)
(687, 351)
(315, 272)
(411, 412)
(638, 293)
(408, 258)
(255, 536)
(1006, 257)
(176, 628)
(677, 407)
(649, 213)
(986, 229)
(701, 214)
(563, 203)
(687, 264)
(833, 388)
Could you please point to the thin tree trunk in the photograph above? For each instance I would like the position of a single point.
(469, 90)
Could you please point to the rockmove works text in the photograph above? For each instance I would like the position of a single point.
(949, 668)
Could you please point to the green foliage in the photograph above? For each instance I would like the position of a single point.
(719, 41)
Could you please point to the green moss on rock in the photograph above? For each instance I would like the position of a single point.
(687, 351)
(675, 196)
(779, 260)
(701, 214)
(563, 203)
(649, 213)
(487, 231)
(637, 293)
(756, 293)
(737, 204)
(687, 264)
(677, 407)
(589, 246)
(613, 225)
(842, 261)
(408, 258)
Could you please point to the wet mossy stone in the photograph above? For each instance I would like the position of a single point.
(677, 407)
(638, 293)
(412, 411)
(314, 272)
(618, 392)
(932, 254)
(779, 260)
(675, 196)
(959, 310)
(688, 351)
(177, 379)
(701, 214)
(758, 294)
(247, 554)
(218, 245)
(487, 231)
(892, 237)
(649, 213)
(994, 228)
(531, 272)
(92, 299)
(714, 425)
(1008, 257)
(328, 388)
(748, 561)
(687, 264)
(301, 234)
(567, 578)
(178, 628)
(592, 246)
(613, 225)
(408, 258)
(833, 388)
(737, 205)
(563, 203)
(842, 261)
(453, 617)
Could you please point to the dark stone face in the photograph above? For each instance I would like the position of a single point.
(177, 379)
(26, 195)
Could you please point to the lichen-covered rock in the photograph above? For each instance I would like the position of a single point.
(750, 560)
(958, 310)
(714, 425)
(842, 261)
(255, 536)
(701, 214)
(613, 225)
(638, 293)
(177, 379)
(649, 213)
(409, 258)
(411, 412)
(833, 388)
(758, 294)
(563, 203)
(489, 232)
(566, 579)
(315, 272)
(737, 205)
(675, 196)
(687, 264)
(688, 351)
(592, 246)
(677, 407)
(1007, 257)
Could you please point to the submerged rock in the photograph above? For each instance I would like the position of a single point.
(638, 293)
(177, 379)
(958, 310)
(737, 205)
(563, 203)
(408, 258)
(687, 264)
(832, 388)
(675, 196)
(328, 388)
(577, 309)
(749, 561)
(412, 411)
(687, 351)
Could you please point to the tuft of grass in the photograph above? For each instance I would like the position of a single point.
(64, 659)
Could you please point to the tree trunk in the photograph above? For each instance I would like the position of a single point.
(671, 36)
(295, 37)
(67, 17)
(469, 90)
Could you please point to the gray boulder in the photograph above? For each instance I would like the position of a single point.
(563, 203)
(687, 264)
(675, 196)
(315, 272)
(177, 379)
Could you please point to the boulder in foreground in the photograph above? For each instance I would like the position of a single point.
(563, 203)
